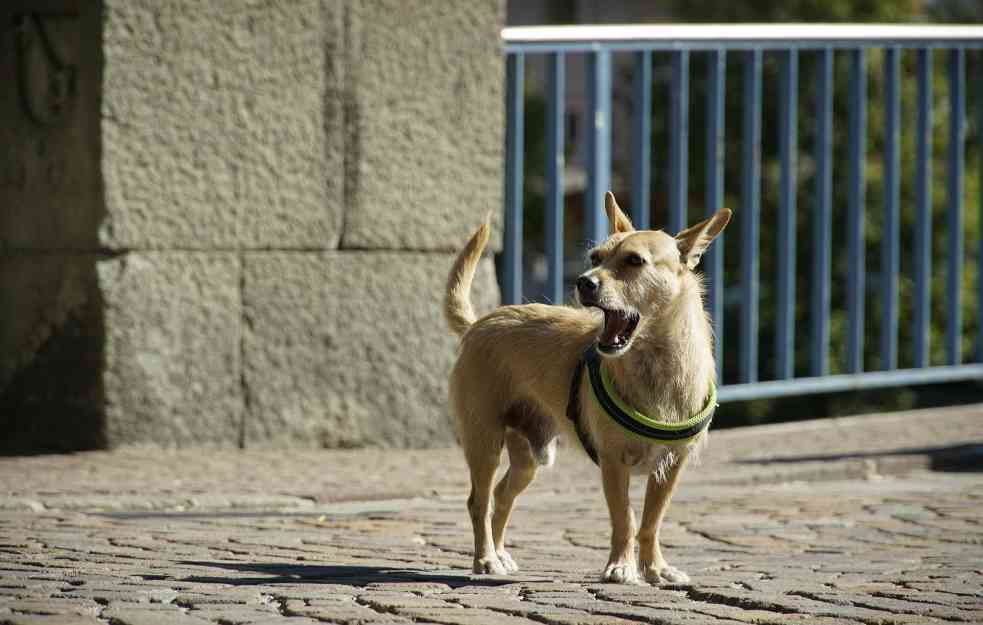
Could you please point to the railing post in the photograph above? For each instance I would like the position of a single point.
(979, 244)
(750, 216)
(890, 247)
(822, 225)
(713, 261)
(957, 131)
(788, 103)
(598, 144)
(678, 141)
(641, 161)
(512, 270)
(923, 208)
(856, 278)
(555, 89)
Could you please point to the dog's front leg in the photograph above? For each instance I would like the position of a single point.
(621, 568)
(657, 494)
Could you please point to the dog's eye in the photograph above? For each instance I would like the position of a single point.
(596, 259)
(634, 259)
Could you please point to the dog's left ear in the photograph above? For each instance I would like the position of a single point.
(693, 241)
(616, 217)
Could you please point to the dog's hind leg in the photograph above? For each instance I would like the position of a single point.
(522, 469)
(483, 459)
(657, 494)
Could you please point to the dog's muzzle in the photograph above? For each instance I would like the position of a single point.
(587, 288)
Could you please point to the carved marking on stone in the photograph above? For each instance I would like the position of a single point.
(48, 81)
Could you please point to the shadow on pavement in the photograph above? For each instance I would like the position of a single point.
(967, 457)
(344, 574)
(220, 514)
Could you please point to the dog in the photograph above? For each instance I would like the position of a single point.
(642, 315)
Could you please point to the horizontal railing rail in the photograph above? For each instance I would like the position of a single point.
(736, 36)
(748, 43)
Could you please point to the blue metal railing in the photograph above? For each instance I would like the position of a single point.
(748, 44)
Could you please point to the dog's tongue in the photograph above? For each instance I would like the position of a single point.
(614, 324)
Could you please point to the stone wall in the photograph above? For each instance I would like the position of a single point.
(231, 223)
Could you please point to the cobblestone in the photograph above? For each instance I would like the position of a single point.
(793, 524)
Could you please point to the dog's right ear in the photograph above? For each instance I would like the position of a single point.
(693, 241)
(616, 217)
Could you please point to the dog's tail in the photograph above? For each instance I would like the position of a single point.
(458, 310)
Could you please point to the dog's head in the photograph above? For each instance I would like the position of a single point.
(636, 274)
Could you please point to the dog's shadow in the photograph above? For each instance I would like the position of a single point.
(272, 573)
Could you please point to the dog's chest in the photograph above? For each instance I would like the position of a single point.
(645, 458)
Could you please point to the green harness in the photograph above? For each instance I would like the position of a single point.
(624, 415)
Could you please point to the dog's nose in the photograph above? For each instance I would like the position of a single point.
(587, 285)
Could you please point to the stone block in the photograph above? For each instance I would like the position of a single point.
(347, 349)
(137, 349)
(51, 353)
(425, 125)
(220, 126)
(172, 349)
(49, 126)
(148, 143)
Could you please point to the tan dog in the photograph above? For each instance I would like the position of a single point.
(510, 386)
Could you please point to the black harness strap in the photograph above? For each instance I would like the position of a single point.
(573, 411)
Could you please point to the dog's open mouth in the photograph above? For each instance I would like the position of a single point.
(619, 326)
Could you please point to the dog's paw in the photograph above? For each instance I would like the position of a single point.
(489, 566)
(665, 575)
(622, 573)
(507, 562)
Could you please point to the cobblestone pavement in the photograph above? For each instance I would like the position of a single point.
(820, 522)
